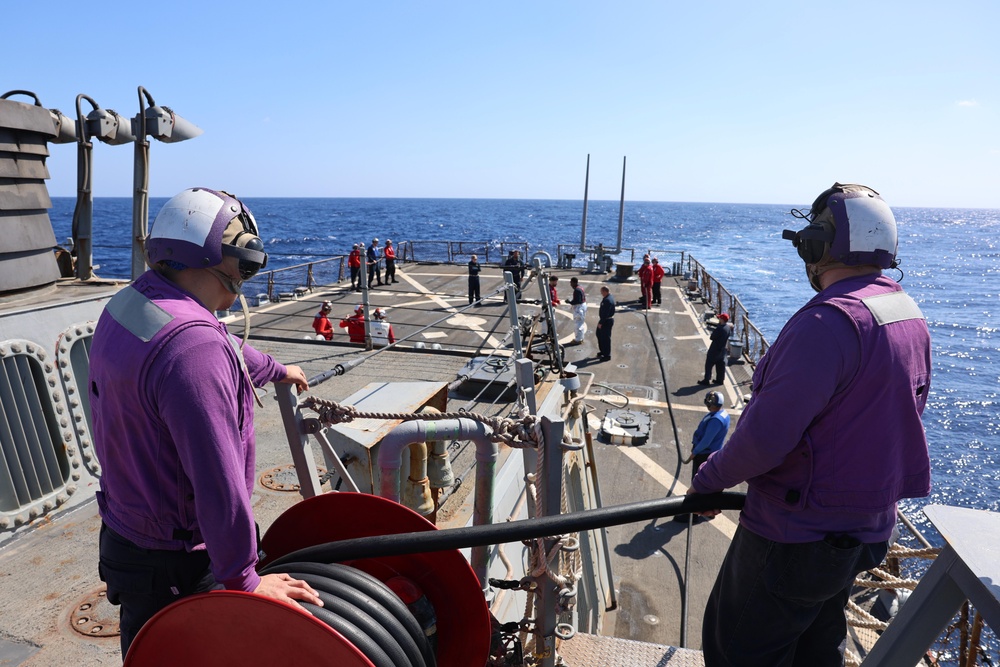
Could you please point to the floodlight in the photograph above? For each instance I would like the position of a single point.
(108, 126)
(169, 127)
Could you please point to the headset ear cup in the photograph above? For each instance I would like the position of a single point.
(812, 251)
(814, 241)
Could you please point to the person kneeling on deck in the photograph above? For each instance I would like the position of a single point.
(355, 325)
(321, 323)
(709, 435)
(381, 330)
(828, 444)
(579, 303)
(172, 399)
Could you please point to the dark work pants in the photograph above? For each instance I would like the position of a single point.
(473, 288)
(604, 337)
(720, 369)
(782, 605)
(144, 581)
(390, 271)
(657, 298)
(373, 274)
(355, 278)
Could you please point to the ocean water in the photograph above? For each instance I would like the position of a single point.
(950, 259)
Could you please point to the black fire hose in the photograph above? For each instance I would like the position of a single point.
(514, 531)
(366, 612)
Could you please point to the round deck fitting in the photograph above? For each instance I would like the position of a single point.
(95, 616)
(284, 478)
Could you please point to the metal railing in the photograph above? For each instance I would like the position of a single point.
(453, 251)
(282, 284)
(715, 295)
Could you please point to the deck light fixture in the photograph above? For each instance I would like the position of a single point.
(164, 124)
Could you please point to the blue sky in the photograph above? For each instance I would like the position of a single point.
(766, 102)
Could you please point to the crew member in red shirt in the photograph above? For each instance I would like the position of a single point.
(657, 278)
(354, 263)
(321, 323)
(390, 262)
(553, 294)
(646, 282)
(355, 325)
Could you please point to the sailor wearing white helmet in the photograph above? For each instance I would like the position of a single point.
(172, 395)
(829, 442)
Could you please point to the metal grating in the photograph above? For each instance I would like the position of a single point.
(585, 650)
(36, 462)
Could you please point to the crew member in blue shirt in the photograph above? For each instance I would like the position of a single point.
(709, 435)
(373, 255)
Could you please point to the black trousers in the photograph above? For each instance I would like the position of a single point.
(144, 581)
(656, 294)
(355, 278)
(783, 604)
(390, 270)
(720, 369)
(373, 274)
(473, 288)
(604, 337)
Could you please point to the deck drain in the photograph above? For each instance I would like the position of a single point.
(656, 411)
(284, 478)
(94, 616)
(651, 620)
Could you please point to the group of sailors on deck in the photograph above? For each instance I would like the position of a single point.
(373, 258)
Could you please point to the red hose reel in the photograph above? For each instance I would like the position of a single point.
(235, 628)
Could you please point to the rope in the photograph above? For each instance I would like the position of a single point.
(888, 581)
(899, 551)
(864, 619)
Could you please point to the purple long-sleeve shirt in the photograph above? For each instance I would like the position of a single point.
(832, 437)
(173, 427)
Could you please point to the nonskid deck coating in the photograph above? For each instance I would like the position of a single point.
(45, 572)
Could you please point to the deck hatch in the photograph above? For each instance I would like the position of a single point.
(73, 361)
(36, 465)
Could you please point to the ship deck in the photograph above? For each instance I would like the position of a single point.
(657, 357)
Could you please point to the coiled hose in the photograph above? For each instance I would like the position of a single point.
(365, 611)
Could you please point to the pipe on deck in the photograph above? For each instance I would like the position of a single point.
(418, 431)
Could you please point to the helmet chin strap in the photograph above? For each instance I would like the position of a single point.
(232, 285)
(236, 287)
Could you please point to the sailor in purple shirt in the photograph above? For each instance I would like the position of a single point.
(830, 441)
(172, 399)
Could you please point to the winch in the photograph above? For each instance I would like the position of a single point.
(625, 427)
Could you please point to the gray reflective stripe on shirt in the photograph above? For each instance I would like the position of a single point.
(134, 311)
(893, 307)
